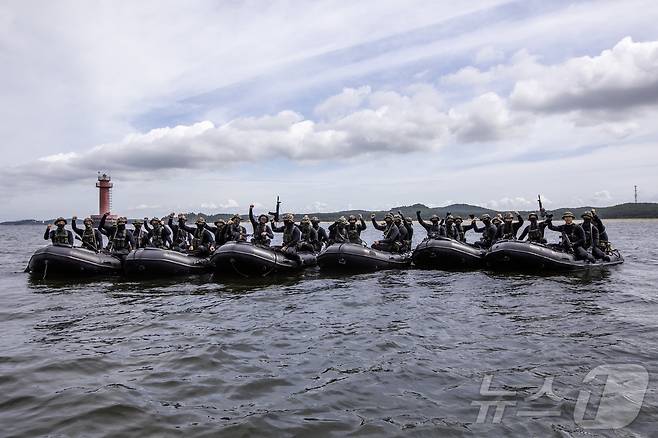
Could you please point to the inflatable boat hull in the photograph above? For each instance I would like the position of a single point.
(249, 260)
(527, 256)
(72, 261)
(354, 257)
(444, 253)
(163, 262)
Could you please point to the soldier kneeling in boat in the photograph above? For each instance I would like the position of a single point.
(592, 237)
(489, 232)
(433, 228)
(91, 238)
(263, 234)
(573, 237)
(291, 236)
(355, 228)
(338, 231)
(202, 240)
(391, 241)
(158, 236)
(535, 230)
(121, 239)
(60, 235)
(309, 238)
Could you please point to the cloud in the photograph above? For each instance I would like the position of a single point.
(510, 203)
(602, 196)
(623, 77)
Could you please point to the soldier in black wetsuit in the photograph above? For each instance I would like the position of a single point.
(449, 229)
(489, 232)
(180, 237)
(391, 241)
(202, 241)
(219, 232)
(309, 237)
(354, 229)
(323, 238)
(433, 228)
(604, 242)
(508, 229)
(403, 232)
(263, 234)
(91, 238)
(462, 229)
(158, 236)
(592, 237)
(535, 230)
(234, 232)
(121, 239)
(291, 236)
(60, 235)
(139, 234)
(573, 236)
(338, 231)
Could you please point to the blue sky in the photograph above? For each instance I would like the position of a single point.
(215, 105)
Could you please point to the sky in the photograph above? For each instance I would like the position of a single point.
(214, 105)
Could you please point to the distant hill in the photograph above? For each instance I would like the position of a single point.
(646, 210)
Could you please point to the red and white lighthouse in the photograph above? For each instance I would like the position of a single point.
(104, 185)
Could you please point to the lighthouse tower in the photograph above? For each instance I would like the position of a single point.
(104, 185)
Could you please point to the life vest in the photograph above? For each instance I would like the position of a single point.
(140, 238)
(287, 234)
(61, 237)
(119, 241)
(588, 235)
(534, 233)
(507, 231)
(259, 238)
(353, 233)
(156, 239)
(89, 238)
(197, 240)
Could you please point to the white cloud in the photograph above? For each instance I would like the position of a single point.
(511, 204)
(602, 196)
(622, 77)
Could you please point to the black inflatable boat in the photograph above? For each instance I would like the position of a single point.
(58, 260)
(447, 253)
(160, 262)
(247, 260)
(354, 257)
(527, 256)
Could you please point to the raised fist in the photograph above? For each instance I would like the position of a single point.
(372, 216)
(251, 205)
(74, 218)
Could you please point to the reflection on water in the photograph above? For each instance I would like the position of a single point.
(385, 353)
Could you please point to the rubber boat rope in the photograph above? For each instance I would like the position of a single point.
(45, 270)
(232, 260)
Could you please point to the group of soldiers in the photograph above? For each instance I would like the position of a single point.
(308, 235)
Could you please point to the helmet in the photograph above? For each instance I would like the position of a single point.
(459, 219)
(586, 215)
(122, 220)
(496, 220)
(351, 217)
(315, 219)
(388, 216)
(200, 220)
(306, 220)
(138, 222)
(155, 220)
(532, 214)
(289, 217)
(220, 222)
(342, 220)
(397, 217)
(434, 218)
(182, 216)
(568, 214)
(236, 217)
(450, 218)
(485, 217)
(60, 219)
(408, 219)
(87, 219)
(509, 215)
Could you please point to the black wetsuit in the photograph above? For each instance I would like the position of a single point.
(235, 233)
(158, 237)
(489, 232)
(141, 237)
(461, 231)
(202, 238)
(309, 238)
(433, 229)
(592, 240)
(59, 236)
(337, 234)
(391, 241)
(449, 229)
(575, 239)
(181, 240)
(219, 233)
(354, 231)
(534, 232)
(508, 230)
(603, 234)
(121, 239)
(323, 238)
(92, 239)
(291, 237)
(263, 234)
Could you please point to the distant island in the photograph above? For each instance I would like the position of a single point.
(630, 210)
